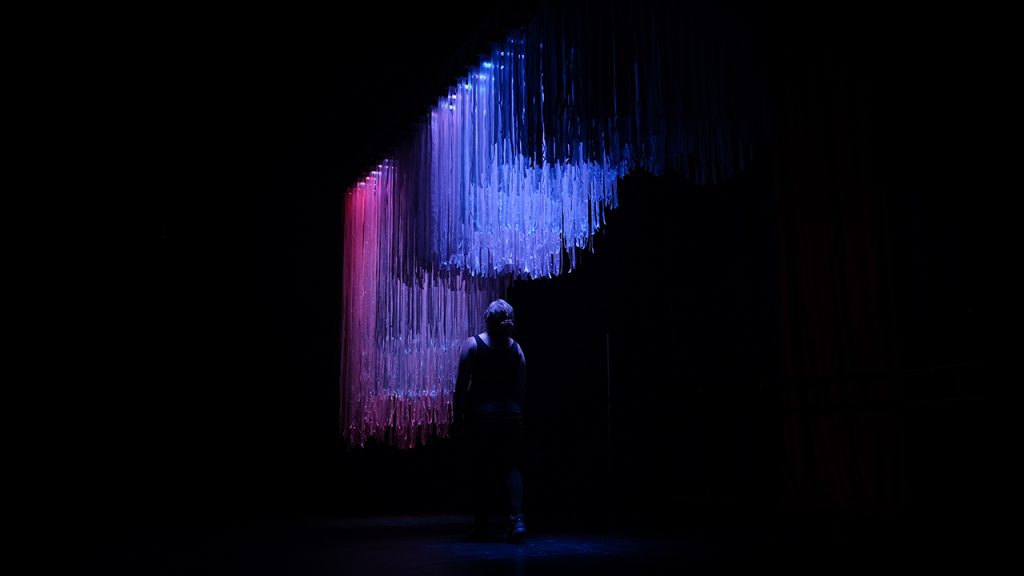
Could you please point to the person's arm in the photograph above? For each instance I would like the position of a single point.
(462, 383)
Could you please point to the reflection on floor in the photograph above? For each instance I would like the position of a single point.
(428, 545)
(387, 545)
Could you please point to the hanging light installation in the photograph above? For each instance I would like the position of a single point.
(509, 177)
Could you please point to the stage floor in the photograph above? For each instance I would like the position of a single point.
(378, 546)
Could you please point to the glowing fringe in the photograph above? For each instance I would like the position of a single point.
(514, 168)
(496, 210)
(401, 332)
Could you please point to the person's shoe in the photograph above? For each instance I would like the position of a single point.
(516, 529)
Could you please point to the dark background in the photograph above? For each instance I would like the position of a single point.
(801, 357)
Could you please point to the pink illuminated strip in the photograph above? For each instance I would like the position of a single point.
(400, 335)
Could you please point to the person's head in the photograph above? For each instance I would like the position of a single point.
(500, 318)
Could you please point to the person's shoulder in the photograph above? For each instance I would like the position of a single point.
(467, 350)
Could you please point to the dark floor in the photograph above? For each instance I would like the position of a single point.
(386, 545)
(438, 545)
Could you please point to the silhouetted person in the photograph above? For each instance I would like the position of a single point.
(488, 410)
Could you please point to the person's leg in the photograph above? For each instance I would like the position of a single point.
(514, 490)
(512, 447)
(479, 480)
